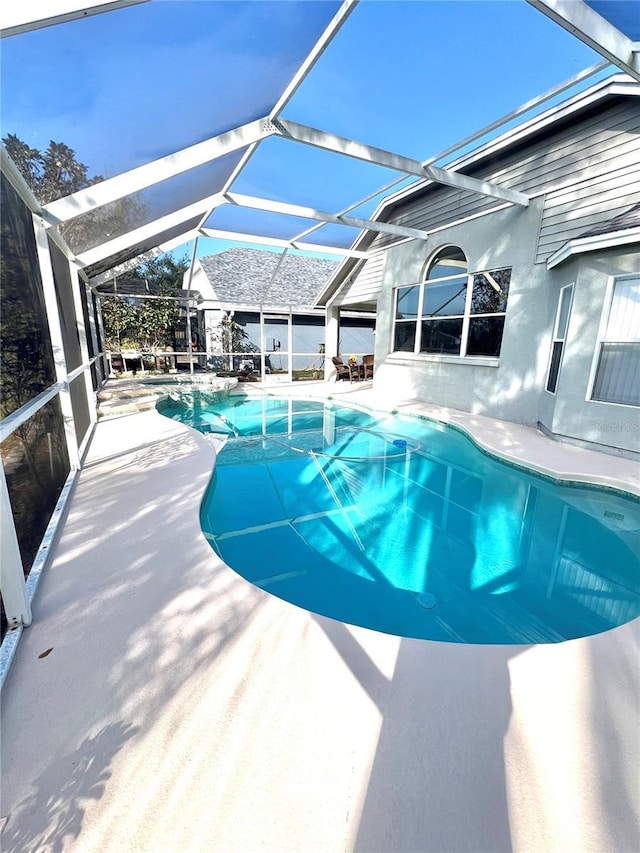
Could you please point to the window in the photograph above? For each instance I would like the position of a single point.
(452, 312)
(559, 336)
(617, 367)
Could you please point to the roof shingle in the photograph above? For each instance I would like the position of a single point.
(245, 276)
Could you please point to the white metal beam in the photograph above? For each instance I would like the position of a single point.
(14, 591)
(282, 244)
(148, 231)
(316, 52)
(323, 216)
(159, 170)
(76, 283)
(162, 249)
(594, 30)
(314, 55)
(11, 423)
(369, 154)
(27, 15)
(485, 131)
(55, 334)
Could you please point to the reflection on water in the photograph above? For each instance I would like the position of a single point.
(360, 517)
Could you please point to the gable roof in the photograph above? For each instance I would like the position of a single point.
(246, 276)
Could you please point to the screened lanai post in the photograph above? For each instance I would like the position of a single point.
(290, 345)
(12, 586)
(188, 306)
(76, 284)
(331, 339)
(263, 347)
(84, 282)
(265, 293)
(57, 344)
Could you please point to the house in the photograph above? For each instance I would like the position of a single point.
(525, 312)
(256, 312)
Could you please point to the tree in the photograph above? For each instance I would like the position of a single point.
(118, 317)
(57, 173)
(146, 323)
(226, 339)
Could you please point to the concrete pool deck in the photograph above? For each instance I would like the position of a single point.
(181, 708)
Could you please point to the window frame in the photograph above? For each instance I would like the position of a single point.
(466, 317)
(556, 339)
(603, 338)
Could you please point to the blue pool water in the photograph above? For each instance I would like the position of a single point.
(402, 525)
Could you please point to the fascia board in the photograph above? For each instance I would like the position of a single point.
(267, 307)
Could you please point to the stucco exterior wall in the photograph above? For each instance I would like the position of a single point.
(569, 414)
(508, 387)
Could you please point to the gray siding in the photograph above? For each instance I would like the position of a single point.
(589, 170)
(366, 285)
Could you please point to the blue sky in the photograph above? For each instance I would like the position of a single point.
(125, 87)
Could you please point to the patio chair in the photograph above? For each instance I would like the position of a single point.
(367, 367)
(355, 371)
(342, 370)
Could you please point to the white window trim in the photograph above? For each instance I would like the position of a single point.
(602, 338)
(555, 339)
(467, 316)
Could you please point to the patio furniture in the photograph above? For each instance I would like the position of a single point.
(342, 370)
(367, 367)
(355, 371)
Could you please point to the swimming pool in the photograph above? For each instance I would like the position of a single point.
(403, 525)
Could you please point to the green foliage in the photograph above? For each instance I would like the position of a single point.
(56, 173)
(146, 323)
(118, 318)
(26, 358)
(163, 271)
(234, 336)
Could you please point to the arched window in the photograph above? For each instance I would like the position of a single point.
(444, 301)
(452, 312)
(445, 263)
